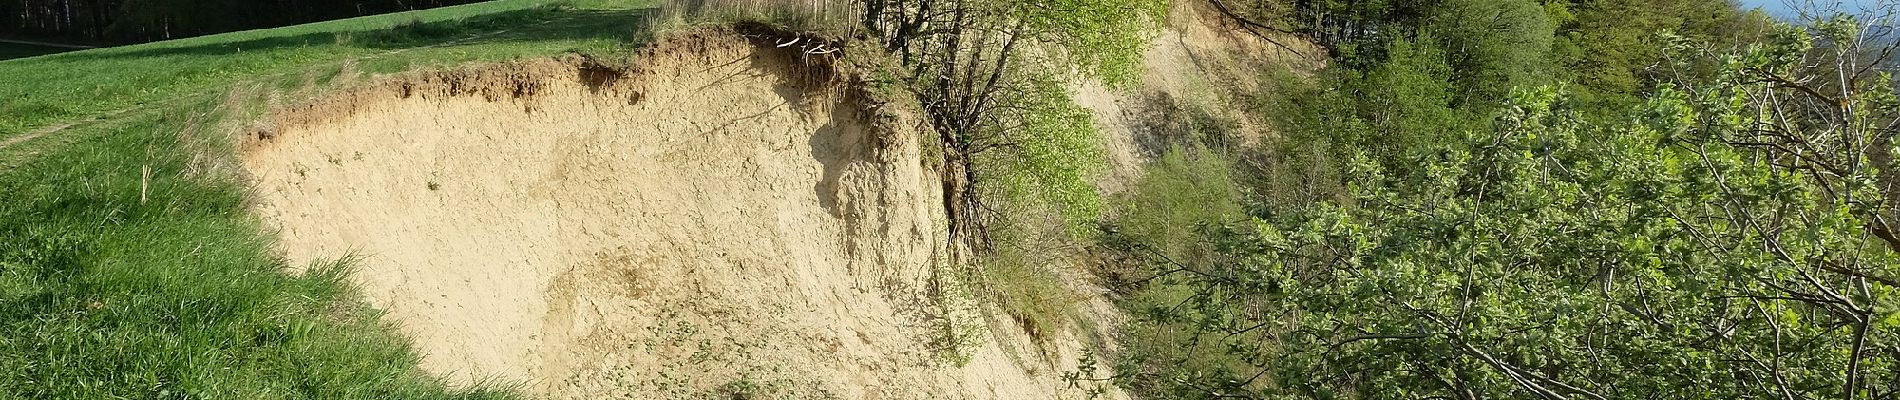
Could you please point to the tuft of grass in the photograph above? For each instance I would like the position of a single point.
(1027, 290)
(960, 325)
(1020, 277)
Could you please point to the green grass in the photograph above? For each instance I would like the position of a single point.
(16, 50)
(115, 285)
(43, 90)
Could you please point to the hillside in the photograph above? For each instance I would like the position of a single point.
(464, 199)
(714, 218)
(958, 199)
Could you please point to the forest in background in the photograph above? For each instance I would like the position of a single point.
(137, 21)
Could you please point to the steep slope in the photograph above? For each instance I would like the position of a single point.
(1204, 69)
(722, 220)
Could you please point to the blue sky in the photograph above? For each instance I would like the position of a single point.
(1780, 7)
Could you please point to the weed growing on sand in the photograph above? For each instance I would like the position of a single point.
(1022, 283)
(960, 324)
(1089, 377)
(702, 360)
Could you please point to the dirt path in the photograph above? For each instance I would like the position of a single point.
(35, 134)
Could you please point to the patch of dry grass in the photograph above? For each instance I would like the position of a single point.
(830, 17)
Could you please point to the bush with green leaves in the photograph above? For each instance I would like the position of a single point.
(1732, 237)
(991, 77)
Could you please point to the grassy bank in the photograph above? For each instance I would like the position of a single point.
(128, 265)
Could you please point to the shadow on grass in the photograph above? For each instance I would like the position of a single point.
(529, 25)
(10, 51)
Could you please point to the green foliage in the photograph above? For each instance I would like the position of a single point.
(1612, 45)
(1165, 218)
(1022, 283)
(1039, 179)
(1720, 236)
(1185, 192)
(1492, 45)
(1400, 105)
(1019, 156)
(1104, 39)
(991, 76)
(1049, 161)
(1037, 164)
(1406, 102)
(1350, 27)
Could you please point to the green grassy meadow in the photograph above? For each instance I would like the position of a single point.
(129, 267)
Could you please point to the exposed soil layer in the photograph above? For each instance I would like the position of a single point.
(719, 220)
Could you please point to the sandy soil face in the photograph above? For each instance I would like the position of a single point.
(711, 225)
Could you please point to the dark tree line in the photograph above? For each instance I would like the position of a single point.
(132, 21)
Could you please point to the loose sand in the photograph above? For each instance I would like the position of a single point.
(716, 222)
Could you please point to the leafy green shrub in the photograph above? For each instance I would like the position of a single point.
(1164, 221)
(1529, 261)
(1048, 163)
(1733, 234)
(1178, 198)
